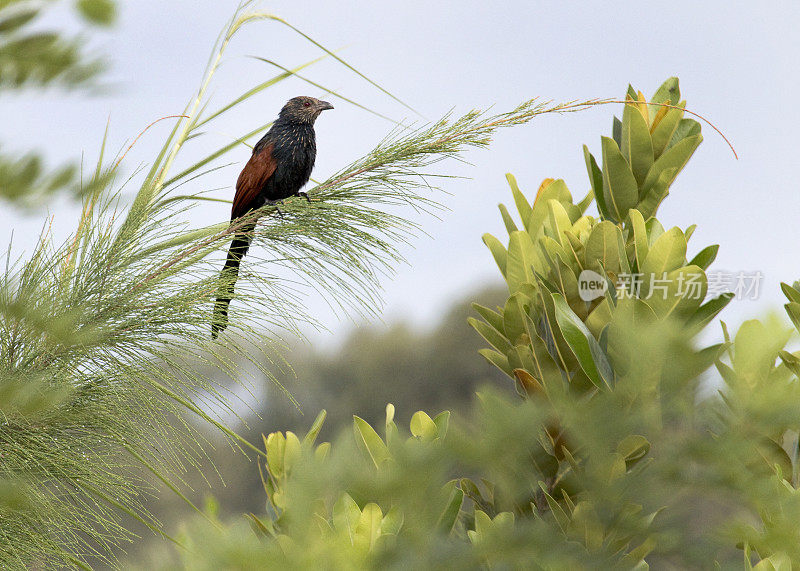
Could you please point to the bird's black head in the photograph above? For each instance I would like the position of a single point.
(303, 109)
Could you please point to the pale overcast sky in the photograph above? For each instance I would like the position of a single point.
(737, 62)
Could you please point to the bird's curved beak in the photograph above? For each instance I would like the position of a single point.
(323, 105)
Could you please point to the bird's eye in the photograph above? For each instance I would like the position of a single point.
(307, 104)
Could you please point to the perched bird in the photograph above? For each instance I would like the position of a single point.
(280, 165)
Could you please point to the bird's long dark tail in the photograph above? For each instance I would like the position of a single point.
(237, 251)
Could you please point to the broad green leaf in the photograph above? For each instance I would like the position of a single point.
(551, 250)
(471, 490)
(17, 19)
(322, 451)
(522, 357)
(552, 339)
(640, 243)
(482, 522)
(680, 294)
(777, 562)
(368, 528)
(573, 211)
(619, 185)
(565, 281)
(709, 310)
(616, 127)
(624, 264)
(583, 344)
(668, 92)
(526, 384)
(582, 227)
(392, 521)
(503, 523)
(664, 131)
(637, 147)
(793, 311)
(102, 12)
(586, 525)
(423, 427)
(545, 370)
(515, 317)
(522, 258)
(654, 230)
(442, 421)
(585, 202)
(275, 447)
(346, 515)
(562, 519)
(261, 528)
(369, 441)
(391, 428)
(498, 252)
(602, 248)
(755, 349)
(631, 316)
(492, 336)
(634, 559)
(596, 180)
(568, 284)
(653, 198)
(705, 257)
(313, 432)
(690, 231)
(599, 318)
(791, 361)
(498, 360)
(482, 525)
(668, 253)
(792, 293)
(507, 220)
(450, 513)
(553, 189)
(633, 448)
(549, 190)
(292, 452)
(728, 375)
(686, 128)
(559, 220)
(675, 157)
(576, 252)
(776, 458)
(523, 206)
(490, 316)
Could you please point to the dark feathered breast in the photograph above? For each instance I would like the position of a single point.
(280, 165)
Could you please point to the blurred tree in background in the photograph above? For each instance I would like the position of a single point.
(411, 368)
(32, 58)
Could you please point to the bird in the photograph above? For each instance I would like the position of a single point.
(279, 167)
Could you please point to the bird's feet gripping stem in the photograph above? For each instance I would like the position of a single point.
(276, 203)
